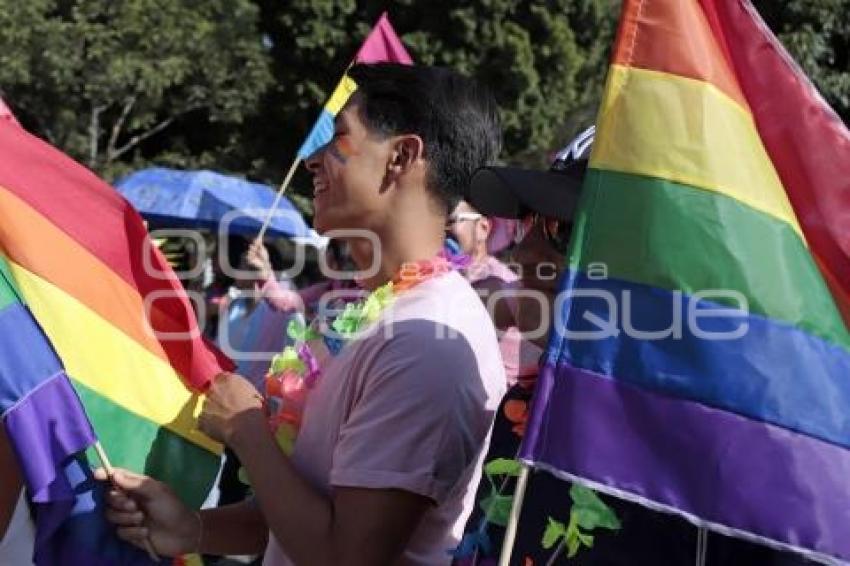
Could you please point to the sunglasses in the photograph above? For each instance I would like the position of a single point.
(459, 217)
(462, 217)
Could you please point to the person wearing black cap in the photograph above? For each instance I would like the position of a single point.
(544, 203)
(514, 192)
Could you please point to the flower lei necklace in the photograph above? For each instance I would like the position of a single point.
(296, 369)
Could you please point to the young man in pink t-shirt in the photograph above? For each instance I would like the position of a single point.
(394, 431)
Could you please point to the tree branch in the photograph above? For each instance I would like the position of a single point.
(119, 124)
(94, 126)
(94, 131)
(137, 139)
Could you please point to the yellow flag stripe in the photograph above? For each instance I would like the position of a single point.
(109, 362)
(684, 130)
(343, 91)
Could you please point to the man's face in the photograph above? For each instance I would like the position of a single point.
(541, 263)
(542, 266)
(464, 226)
(349, 176)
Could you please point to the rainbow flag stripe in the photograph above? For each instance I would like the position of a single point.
(382, 45)
(113, 311)
(659, 386)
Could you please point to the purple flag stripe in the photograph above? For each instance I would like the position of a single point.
(46, 428)
(684, 457)
(725, 358)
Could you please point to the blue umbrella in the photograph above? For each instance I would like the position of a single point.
(169, 198)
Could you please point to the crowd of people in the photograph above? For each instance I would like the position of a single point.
(437, 376)
(386, 468)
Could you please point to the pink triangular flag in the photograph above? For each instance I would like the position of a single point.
(383, 45)
(6, 113)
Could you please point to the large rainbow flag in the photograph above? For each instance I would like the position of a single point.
(700, 364)
(117, 317)
(382, 45)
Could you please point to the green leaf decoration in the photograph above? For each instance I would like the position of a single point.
(356, 315)
(503, 467)
(587, 512)
(590, 511)
(287, 360)
(349, 321)
(586, 539)
(497, 508)
(575, 538)
(285, 438)
(300, 332)
(582, 495)
(573, 544)
(554, 531)
(377, 301)
(585, 518)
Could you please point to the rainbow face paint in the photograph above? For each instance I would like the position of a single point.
(342, 148)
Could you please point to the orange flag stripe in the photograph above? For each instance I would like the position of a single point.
(694, 54)
(47, 251)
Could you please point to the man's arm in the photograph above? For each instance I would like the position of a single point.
(10, 483)
(401, 450)
(280, 299)
(353, 526)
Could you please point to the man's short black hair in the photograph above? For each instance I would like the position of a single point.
(457, 119)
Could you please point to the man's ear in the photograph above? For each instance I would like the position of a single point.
(482, 228)
(406, 151)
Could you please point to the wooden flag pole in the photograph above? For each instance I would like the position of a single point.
(513, 520)
(110, 471)
(280, 191)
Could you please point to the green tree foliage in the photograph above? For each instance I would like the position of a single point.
(236, 84)
(544, 60)
(120, 82)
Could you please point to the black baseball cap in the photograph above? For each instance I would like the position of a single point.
(513, 192)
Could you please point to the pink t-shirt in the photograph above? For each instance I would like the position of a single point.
(410, 406)
(281, 299)
(488, 267)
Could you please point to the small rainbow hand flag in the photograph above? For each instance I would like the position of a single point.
(382, 45)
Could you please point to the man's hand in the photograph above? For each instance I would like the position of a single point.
(144, 509)
(257, 257)
(232, 407)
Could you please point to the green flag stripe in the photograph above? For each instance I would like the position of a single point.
(138, 444)
(678, 237)
(8, 291)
